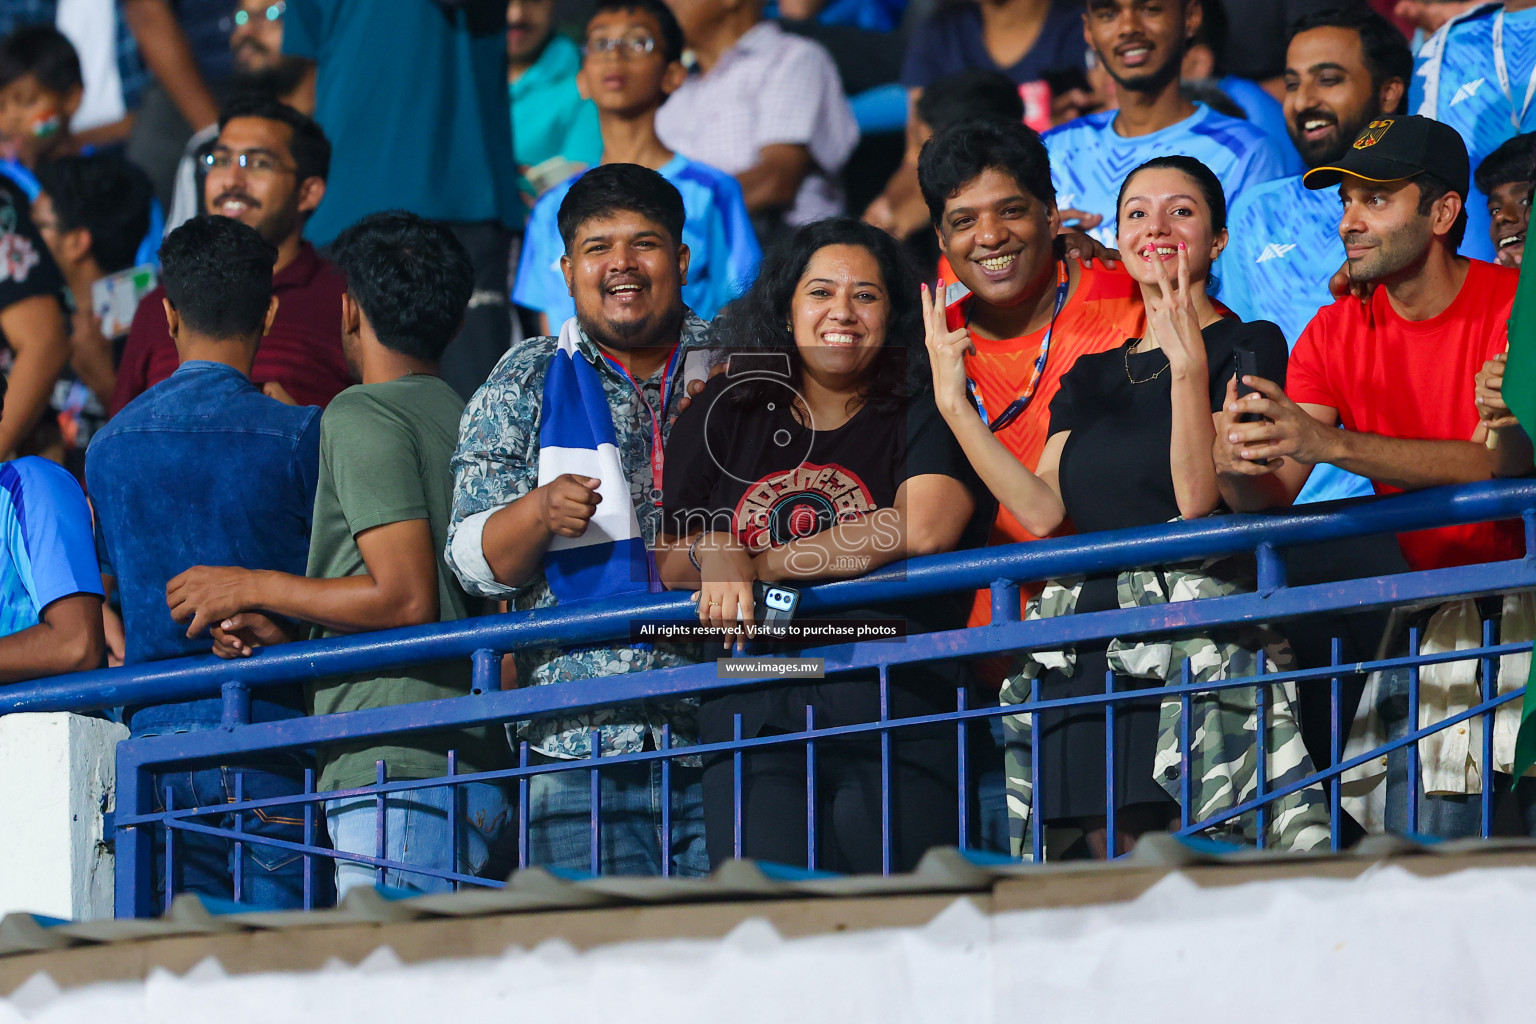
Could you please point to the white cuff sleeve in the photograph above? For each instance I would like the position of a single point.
(467, 555)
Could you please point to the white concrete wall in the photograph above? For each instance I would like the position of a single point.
(1385, 946)
(54, 771)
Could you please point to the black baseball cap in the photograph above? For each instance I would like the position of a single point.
(1394, 148)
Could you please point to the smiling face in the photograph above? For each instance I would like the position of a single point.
(1329, 96)
(626, 273)
(1163, 207)
(622, 82)
(998, 238)
(1383, 231)
(266, 193)
(838, 315)
(1509, 212)
(1141, 42)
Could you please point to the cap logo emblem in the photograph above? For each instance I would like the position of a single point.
(1372, 134)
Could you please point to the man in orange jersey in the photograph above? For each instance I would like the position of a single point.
(1031, 310)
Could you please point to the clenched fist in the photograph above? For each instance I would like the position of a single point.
(568, 503)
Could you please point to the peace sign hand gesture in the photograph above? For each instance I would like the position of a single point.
(947, 350)
(1173, 318)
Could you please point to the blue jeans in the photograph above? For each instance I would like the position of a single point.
(416, 833)
(1444, 815)
(630, 837)
(270, 877)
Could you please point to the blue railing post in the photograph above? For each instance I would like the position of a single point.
(485, 672)
(1271, 568)
(237, 704)
(133, 864)
(1335, 744)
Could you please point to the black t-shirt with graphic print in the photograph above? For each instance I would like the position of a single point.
(26, 268)
(757, 471)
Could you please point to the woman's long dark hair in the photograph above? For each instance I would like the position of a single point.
(756, 321)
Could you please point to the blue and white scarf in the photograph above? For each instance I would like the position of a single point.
(576, 436)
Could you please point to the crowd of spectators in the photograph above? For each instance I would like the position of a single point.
(462, 307)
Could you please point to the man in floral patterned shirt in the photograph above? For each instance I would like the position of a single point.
(625, 265)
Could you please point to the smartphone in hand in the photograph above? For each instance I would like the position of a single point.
(1245, 364)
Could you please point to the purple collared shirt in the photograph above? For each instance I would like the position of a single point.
(771, 87)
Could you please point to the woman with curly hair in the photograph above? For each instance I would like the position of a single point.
(819, 454)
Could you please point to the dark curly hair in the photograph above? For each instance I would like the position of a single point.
(410, 276)
(755, 322)
(217, 274)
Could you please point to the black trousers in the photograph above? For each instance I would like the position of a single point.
(924, 801)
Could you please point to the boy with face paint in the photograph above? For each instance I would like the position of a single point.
(40, 90)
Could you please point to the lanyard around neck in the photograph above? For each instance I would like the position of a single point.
(1018, 405)
(658, 454)
(1500, 68)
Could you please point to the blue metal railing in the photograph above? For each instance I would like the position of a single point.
(484, 640)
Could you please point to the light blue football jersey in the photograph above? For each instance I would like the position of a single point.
(1284, 246)
(1089, 159)
(1456, 80)
(723, 246)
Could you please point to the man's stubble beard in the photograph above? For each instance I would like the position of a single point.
(664, 328)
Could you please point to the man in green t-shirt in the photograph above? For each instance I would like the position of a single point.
(375, 556)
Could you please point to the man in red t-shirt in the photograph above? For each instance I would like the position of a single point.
(268, 169)
(1032, 311)
(1399, 373)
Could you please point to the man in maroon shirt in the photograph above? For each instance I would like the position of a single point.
(268, 170)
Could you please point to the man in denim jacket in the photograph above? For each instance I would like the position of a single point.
(203, 469)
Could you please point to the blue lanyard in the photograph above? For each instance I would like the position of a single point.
(1018, 405)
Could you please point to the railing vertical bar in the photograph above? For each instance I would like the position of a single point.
(595, 749)
(1186, 781)
(239, 845)
(1413, 724)
(134, 861)
(170, 850)
(1036, 790)
(1111, 824)
(962, 772)
(666, 803)
(380, 838)
(885, 772)
(810, 789)
(1335, 746)
(455, 817)
(736, 795)
(1261, 713)
(309, 840)
(1489, 673)
(522, 807)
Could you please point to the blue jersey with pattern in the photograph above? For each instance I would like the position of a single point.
(1284, 246)
(1089, 159)
(723, 247)
(46, 548)
(1455, 81)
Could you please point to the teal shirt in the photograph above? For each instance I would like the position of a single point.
(549, 117)
(413, 97)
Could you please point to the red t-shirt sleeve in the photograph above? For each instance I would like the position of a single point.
(1306, 374)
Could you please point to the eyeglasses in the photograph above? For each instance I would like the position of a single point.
(627, 47)
(273, 12)
(256, 163)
